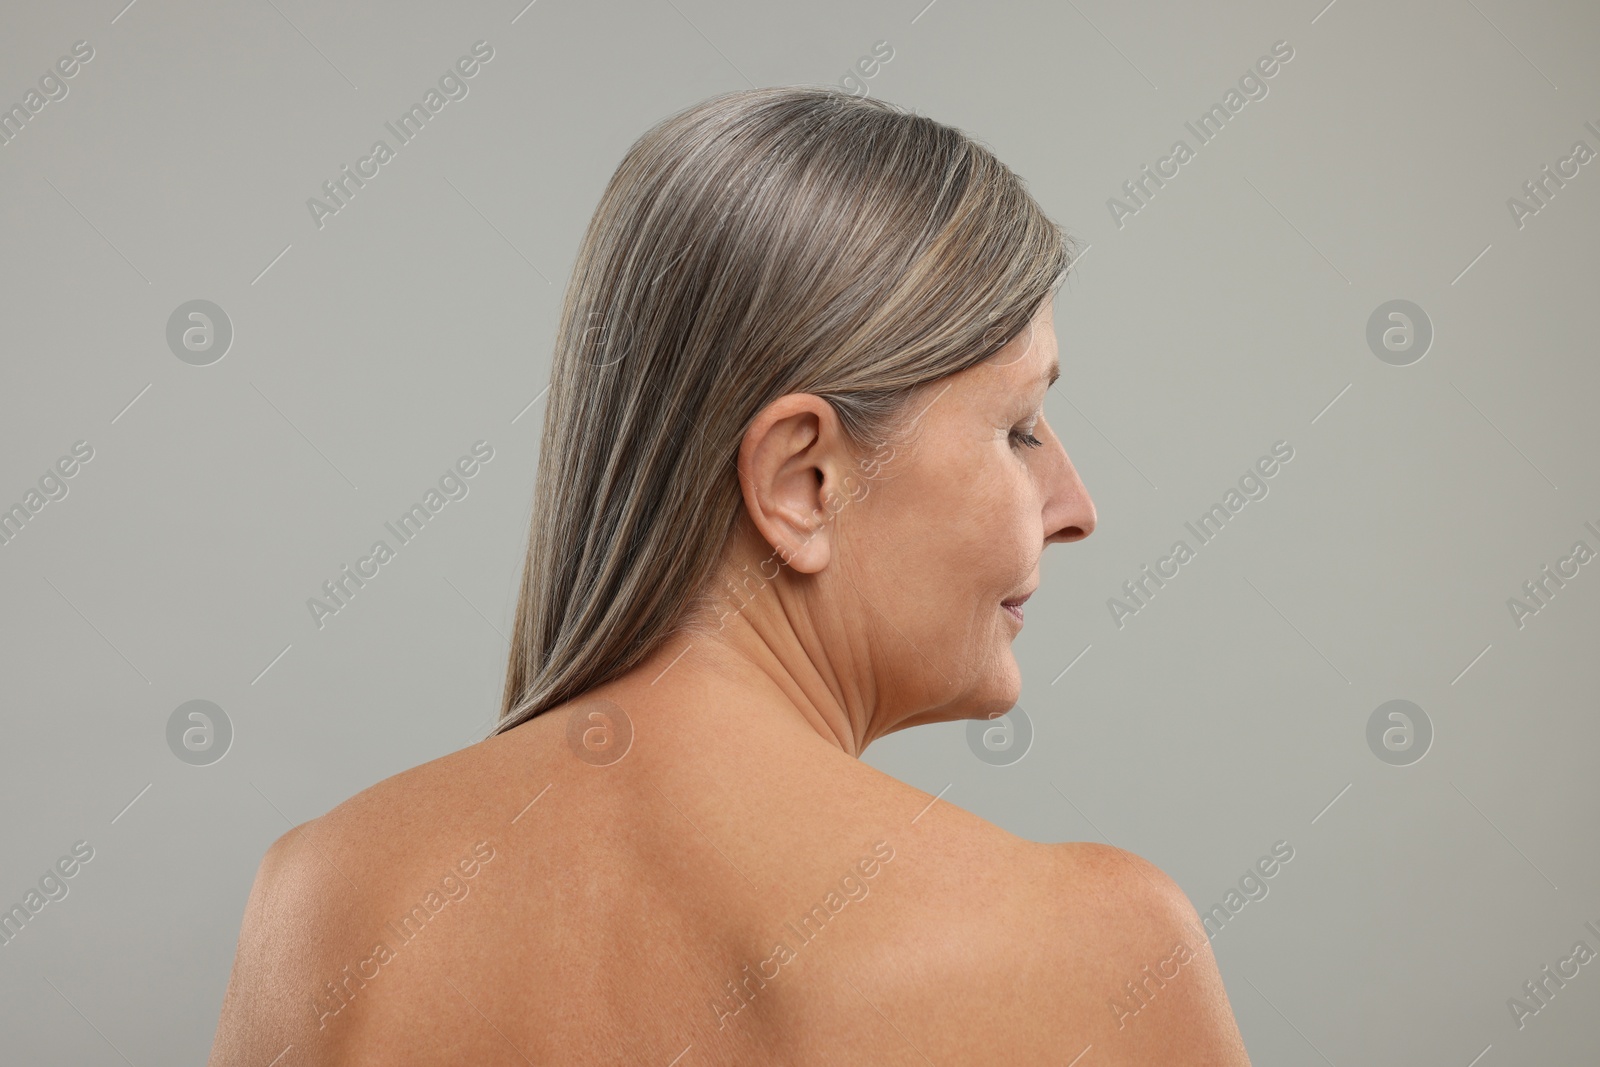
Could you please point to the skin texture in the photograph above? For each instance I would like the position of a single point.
(656, 847)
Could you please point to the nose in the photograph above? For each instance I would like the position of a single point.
(1069, 513)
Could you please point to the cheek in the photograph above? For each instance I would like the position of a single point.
(1005, 502)
(909, 536)
(955, 527)
(988, 534)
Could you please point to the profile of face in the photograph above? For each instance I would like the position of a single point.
(929, 534)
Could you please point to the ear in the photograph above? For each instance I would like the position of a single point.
(791, 464)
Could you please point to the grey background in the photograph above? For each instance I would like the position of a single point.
(1228, 314)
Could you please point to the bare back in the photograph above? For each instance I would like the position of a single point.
(696, 903)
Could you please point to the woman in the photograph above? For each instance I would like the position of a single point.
(794, 485)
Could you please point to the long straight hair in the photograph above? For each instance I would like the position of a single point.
(759, 243)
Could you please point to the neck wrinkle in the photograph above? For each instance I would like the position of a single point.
(744, 654)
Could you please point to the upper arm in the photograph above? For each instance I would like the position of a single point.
(1147, 984)
(241, 1035)
(293, 908)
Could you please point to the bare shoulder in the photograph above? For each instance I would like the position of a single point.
(1054, 948)
(283, 947)
(327, 931)
(1143, 985)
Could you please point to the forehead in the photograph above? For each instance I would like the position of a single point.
(1031, 353)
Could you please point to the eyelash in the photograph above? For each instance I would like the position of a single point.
(1026, 438)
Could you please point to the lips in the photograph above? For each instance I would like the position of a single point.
(1017, 601)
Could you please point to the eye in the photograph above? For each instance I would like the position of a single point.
(1025, 438)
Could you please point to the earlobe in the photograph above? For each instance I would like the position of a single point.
(810, 553)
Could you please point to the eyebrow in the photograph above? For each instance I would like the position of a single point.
(1050, 374)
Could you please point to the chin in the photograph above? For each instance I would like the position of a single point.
(998, 696)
